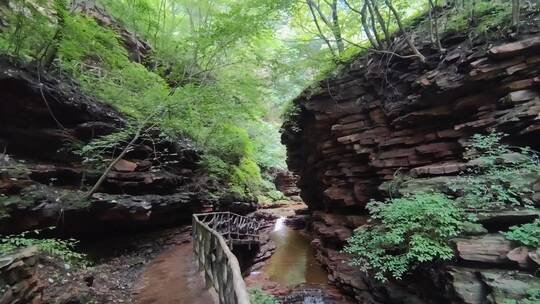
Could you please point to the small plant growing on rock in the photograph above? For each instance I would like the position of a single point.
(257, 296)
(526, 234)
(498, 176)
(407, 231)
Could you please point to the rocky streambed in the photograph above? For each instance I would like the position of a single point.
(292, 272)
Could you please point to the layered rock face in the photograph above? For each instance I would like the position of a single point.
(18, 279)
(370, 121)
(42, 180)
(385, 115)
(285, 182)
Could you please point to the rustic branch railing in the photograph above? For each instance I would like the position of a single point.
(213, 233)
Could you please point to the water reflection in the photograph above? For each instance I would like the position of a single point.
(294, 261)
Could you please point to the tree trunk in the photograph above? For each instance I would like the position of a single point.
(111, 165)
(381, 21)
(472, 11)
(312, 7)
(516, 13)
(365, 25)
(402, 29)
(434, 25)
(51, 49)
(336, 28)
(374, 26)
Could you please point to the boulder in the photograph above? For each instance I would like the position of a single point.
(18, 279)
(466, 285)
(286, 182)
(534, 255)
(123, 165)
(520, 255)
(506, 218)
(508, 285)
(489, 248)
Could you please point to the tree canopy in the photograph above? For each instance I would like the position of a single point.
(220, 71)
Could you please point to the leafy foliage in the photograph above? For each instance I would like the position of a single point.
(63, 249)
(416, 228)
(526, 234)
(488, 15)
(29, 28)
(217, 70)
(257, 296)
(500, 176)
(207, 73)
(407, 231)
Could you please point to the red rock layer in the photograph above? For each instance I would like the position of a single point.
(384, 114)
(387, 115)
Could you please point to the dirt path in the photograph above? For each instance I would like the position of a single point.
(173, 278)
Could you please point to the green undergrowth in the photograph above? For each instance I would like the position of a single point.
(487, 16)
(224, 124)
(526, 234)
(63, 249)
(501, 177)
(416, 228)
(407, 231)
(257, 296)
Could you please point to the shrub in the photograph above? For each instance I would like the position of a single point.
(526, 234)
(408, 231)
(216, 110)
(246, 178)
(499, 176)
(257, 296)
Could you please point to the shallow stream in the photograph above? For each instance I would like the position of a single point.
(294, 261)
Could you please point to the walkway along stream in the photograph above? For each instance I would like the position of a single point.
(174, 278)
(292, 272)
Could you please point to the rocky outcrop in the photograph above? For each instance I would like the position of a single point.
(39, 206)
(367, 123)
(41, 114)
(18, 279)
(43, 181)
(285, 182)
(381, 117)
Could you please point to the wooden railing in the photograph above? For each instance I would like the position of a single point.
(213, 233)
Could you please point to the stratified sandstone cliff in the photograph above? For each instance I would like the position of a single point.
(384, 114)
(42, 179)
(373, 119)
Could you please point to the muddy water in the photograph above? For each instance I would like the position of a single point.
(294, 261)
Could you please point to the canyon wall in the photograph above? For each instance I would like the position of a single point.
(43, 119)
(18, 280)
(382, 116)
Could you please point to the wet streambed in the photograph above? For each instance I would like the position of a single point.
(294, 261)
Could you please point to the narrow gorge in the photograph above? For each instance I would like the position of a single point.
(385, 125)
(270, 152)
